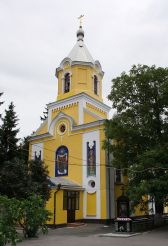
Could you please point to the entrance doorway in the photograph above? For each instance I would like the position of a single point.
(71, 203)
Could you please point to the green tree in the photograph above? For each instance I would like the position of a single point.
(8, 135)
(1, 102)
(39, 178)
(23, 149)
(29, 213)
(9, 214)
(139, 132)
(21, 179)
(14, 179)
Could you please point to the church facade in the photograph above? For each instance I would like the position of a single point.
(70, 142)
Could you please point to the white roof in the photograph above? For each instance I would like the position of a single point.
(80, 53)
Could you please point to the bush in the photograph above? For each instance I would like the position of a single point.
(33, 216)
(29, 213)
(8, 220)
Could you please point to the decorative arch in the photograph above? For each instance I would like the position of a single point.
(57, 118)
(61, 161)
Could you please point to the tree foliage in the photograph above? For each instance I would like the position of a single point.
(1, 101)
(139, 130)
(33, 216)
(8, 135)
(21, 179)
(8, 219)
(29, 213)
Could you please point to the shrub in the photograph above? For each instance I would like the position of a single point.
(8, 220)
(33, 216)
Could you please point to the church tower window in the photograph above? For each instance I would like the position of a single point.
(66, 83)
(95, 81)
(61, 161)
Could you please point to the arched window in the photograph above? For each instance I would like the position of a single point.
(95, 81)
(61, 161)
(66, 83)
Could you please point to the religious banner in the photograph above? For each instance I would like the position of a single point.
(61, 165)
(91, 159)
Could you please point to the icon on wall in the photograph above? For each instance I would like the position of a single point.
(61, 165)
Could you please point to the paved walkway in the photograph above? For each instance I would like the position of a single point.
(89, 235)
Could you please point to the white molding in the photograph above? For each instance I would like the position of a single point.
(74, 128)
(90, 137)
(82, 106)
(49, 117)
(57, 118)
(76, 99)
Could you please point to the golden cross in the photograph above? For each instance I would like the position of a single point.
(80, 19)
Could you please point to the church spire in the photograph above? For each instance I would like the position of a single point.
(80, 32)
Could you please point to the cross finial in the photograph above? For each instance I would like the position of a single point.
(80, 19)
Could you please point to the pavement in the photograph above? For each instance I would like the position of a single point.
(91, 235)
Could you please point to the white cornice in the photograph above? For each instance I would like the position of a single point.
(77, 98)
(74, 128)
(37, 137)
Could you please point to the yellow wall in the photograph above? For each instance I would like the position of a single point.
(74, 145)
(96, 111)
(79, 213)
(71, 110)
(89, 118)
(60, 215)
(91, 204)
(42, 129)
(82, 81)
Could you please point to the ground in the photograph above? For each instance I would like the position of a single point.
(89, 235)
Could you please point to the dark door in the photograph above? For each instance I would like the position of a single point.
(71, 207)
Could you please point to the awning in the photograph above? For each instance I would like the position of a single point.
(64, 184)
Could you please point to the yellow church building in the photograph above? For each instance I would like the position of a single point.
(70, 142)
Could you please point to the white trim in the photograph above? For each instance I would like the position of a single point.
(74, 128)
(82, 106)
(73, 63)
(76, 98)
(90, 137)
(57, 118)
(49, 117)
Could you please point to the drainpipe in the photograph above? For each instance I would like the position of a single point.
(109, 178)
(58, 188)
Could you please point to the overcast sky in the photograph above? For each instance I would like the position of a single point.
(35, 35)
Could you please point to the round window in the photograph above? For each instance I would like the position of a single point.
(92, 184)
(62, 128)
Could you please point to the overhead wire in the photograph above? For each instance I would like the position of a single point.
(98, 164)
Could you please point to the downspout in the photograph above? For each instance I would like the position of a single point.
(58, 188)
(109, 178)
